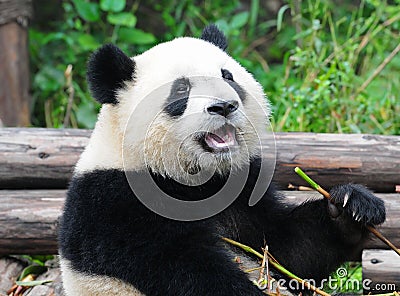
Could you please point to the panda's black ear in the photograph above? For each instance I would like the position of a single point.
(212, 34)
(108, 69)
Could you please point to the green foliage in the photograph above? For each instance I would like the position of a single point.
(312, 58)
(32, 269)
(37, 260)
(347, 279)
(112, 5)
(322, 87)
(32, 283)
(36, 267)
(85, 27)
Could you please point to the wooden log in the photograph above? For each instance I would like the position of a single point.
(39, 158)
(29, 219)
(381, 271)
(372, 160)
(44, 158)
(14, 61)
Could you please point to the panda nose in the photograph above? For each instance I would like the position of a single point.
(223, 108)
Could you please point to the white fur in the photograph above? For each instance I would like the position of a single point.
(79, 284)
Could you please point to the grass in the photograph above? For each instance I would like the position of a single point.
(341, 76)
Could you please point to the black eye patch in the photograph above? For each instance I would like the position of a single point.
(227, 75)
(177, 100)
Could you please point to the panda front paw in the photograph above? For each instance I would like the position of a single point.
(357, 203)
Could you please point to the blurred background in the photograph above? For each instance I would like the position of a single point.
(326, 66)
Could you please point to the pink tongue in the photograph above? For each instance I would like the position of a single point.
(217, 138)
(222, 137)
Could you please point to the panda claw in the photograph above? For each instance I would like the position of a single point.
(346, 199)
(359, 204)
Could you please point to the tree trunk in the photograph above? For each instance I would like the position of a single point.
(14, 61)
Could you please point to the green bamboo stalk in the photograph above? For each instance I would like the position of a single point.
(276, 265)
(312, 183)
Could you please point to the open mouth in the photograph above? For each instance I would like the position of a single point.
(220, 140)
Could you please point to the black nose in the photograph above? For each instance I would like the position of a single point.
(223, 108)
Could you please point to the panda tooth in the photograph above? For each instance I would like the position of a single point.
(221, 145)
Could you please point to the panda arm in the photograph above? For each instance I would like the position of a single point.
(313, 238)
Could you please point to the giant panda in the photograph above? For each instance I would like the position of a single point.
(181, 108)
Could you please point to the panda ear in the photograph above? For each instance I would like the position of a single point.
(212, 34)
(108, 69)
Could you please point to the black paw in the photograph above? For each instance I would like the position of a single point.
(357, 202)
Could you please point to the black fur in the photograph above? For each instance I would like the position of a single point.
(176, 102)
(227, 75)
(239, 90)
(212, 34)
(108, 69)
(106, 230)
(370, 211)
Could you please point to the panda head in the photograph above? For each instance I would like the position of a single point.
(180, 109)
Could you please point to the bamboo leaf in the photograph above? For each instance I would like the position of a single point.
(32, 283)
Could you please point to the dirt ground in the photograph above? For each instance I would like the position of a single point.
(11, 268)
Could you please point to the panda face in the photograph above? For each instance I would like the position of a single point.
(208, 122)
(180, 108)
(210, 109)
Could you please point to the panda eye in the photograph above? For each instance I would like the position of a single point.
(226, 74)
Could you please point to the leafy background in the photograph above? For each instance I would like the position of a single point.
(318, 61)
